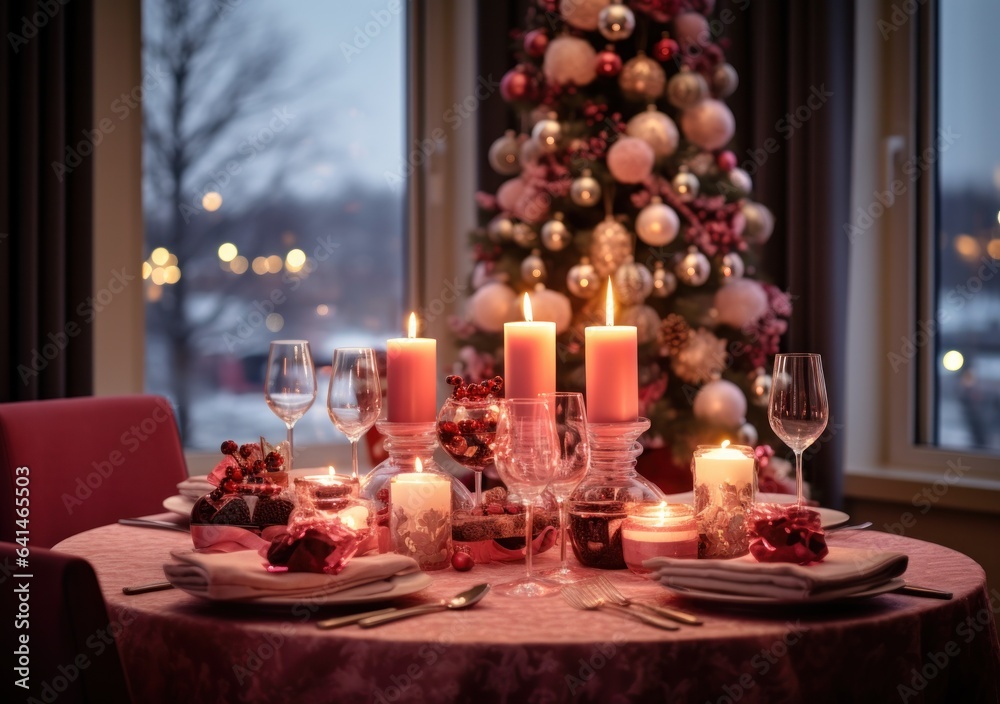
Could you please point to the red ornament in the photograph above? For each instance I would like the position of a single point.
(665, 49)
(518, 86)
(462, 561)
(609, 64)
(726, 161)
(535, 43)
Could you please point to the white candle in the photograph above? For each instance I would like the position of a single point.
(529, 356)
(662, 531)
(724, 486)
(420, 517)
(723, 465)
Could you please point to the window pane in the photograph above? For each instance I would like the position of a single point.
(967, 362)
(273, 199)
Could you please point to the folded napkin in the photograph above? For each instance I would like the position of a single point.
(194, 487)
(242, 575)
(843, 572)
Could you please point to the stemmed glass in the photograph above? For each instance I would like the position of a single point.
(798, 409)
(572, 462)
(355, 398)
(290, 384)
(526, 454)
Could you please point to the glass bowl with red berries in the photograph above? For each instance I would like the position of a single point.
(467, 424)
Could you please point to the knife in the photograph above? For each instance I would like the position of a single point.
(913, 590)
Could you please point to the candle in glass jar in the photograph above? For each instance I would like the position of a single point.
(724, 488)
(325, 489)
(660, 531)
(529, 356)
(420, 517)
(612, 369)
(411, 372)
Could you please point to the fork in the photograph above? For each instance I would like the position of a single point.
(608, 590)
(583, 600)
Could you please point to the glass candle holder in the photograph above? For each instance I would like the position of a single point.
(661, 531)
(325, 491)
(420, 517)
(725, 483)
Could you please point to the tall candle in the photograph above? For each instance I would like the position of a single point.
(724, 487)
(420, 517)
(529, 356)
(612, 369)
(412, 372)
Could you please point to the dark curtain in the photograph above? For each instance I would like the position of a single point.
(46, 183)
(796, 65)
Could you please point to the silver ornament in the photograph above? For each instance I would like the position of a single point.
(686, 185)
(548, 133)
(633, 282)
(609, 246)
(664, 282)
(741, 181)
(524, 235)
(642, 79)
(760, 388)
(656, 129)
(694, 268)
(500, 229)
(686, 89)
(533, 268)
(657, 224)
(582, 280)
(645, 319)
(759, 223)
(616, 22)
(505, 154)
(585, 191)
(747, 435)
(732, 267)
(724, 80)
(555, 234)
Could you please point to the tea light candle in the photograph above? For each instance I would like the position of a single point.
(420, 517)
(323, 489)
(411, 370)
(724, 487)
(612, 369)
(529, 356)
(660, 531)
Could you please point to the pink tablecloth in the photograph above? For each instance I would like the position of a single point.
(890, 648)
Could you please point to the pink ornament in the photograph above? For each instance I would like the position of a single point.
(532, 206)
(709, 124)
(630, 160)
(691, 29)
(741, 303)
(509, 194)
(518, 86)
(582, 14)
(535, 43)
(609, 64)
(570, 60)
(665, 50)
(726, 161)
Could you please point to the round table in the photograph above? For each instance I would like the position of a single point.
(892, 647)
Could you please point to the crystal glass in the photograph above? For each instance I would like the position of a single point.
(290, 384)
(526, 454)
(573, 461)
(798, 409)
(466, 429)
(355, 398)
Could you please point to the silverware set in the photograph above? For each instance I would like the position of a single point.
(600, 593)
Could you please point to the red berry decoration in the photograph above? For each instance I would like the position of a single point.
(609, 64)
(462, 561)
(274, 461)
(246, 451)
(665, 49)
(229, 447)
(535, 43)
(259, 466)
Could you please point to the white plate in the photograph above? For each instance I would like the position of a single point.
(831, 518)
(401, 586)
(179, 504)
(721, 598)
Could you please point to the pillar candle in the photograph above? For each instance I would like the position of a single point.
(411, 376)
(724, 487)
(612, 369)
(529, 356)
(420, 517)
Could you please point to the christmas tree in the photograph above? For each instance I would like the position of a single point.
(622, 169)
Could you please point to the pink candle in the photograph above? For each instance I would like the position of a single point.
(612, 370)
(529, 356)
(412, 372)
(660, 531)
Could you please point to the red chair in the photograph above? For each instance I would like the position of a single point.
(69, 465)
(62, 635)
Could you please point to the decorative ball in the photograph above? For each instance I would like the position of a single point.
(642, 79)
(657, 224)
(547, 304)
(633, 282)
(533, 269)
(724, 80)
(726, 161)
(709, 124)
(665, 49)
(585, 190)
(500, 228)
(741, 181)
(691, 29)
(509, 194)
(720, 402)
(524, 235)
(732, 267)
(530, 152)
(760, 388)
(610, 245)
(491, 306)
(759, 223)
(504, 154)
(547, 133)
(582, 280)
(686, 89)
(582, 14)
(693, 268)
(555, 234)
(522, 201)
(518, 85)
(462, 561)
(616, 22)
(655, 129)
(741, 303)
(609, 64)
(747, 435)
(630, 160)
(664, 282)
(645, 319)
(686, 185)
(535, 43)
(569, 60)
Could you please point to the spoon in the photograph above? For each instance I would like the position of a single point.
(461, 601)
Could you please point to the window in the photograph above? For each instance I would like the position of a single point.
(274, 199)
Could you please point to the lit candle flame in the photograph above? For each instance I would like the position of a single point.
(663, 510)
(609, 306)
(348, 521)
(725, 443)
(419, 464)
(413, 326)
(333, 471)
(527, 308)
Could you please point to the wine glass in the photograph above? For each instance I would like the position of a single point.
(798, 409)
(572, 462)
(355, 398)
(290, 384)
(526, 455)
